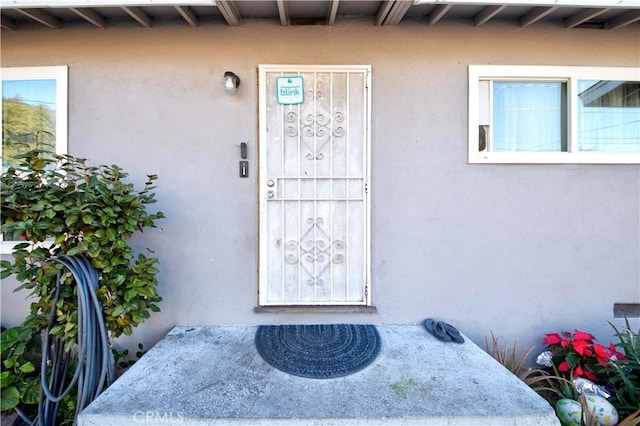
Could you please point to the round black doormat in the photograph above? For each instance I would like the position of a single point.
(318, 351)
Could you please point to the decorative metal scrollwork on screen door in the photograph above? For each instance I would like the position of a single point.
(315, 251)
(315, 129)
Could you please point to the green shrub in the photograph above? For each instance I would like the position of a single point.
(61, 206)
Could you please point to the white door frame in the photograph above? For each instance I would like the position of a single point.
(265, 185)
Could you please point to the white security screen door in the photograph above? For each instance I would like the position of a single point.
(314, 185)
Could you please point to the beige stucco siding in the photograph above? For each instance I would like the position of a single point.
(522, 250)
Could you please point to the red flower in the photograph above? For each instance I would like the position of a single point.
(576, 354)
(581, 335)
(552, 339)
(614, 352)
(601, 353)
(581, 346)
(579, 372)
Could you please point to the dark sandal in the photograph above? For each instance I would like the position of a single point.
(453, 332)
(437, 329)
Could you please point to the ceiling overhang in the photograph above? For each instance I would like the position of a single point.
(60, 14)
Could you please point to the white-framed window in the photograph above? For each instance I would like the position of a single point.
(34, 114)
(552, 114)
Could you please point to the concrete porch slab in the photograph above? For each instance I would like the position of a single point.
(215, 376)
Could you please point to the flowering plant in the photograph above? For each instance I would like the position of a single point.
(575, 355)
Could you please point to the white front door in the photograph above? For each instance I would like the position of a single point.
(314, 185)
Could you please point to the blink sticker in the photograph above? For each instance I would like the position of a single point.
(290, 90)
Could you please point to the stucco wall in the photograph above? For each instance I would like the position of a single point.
(522, 250)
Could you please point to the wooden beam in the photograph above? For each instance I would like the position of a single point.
(333, 12)
(283, 12)
(139, 15)
(229, 11)
(7, 24)
(188, 15)
(383, 11)
(42, 17)
(583, 16)
(397, 12)
(535, 14)
(89, 15)
(487, 13)
(438, 13)
(623, 20)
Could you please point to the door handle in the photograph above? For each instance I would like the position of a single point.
(271, 188)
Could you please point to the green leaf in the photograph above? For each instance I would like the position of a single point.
(68, 327)
(130, 294)
(60, 207)
(10, 398)
(119, 279)
(70, 220)
(119, 310)
(32, 395)
(38, 207)
(27, 367)
(137, 317)
(56, 329)
(8, 338)
(75, 250)
(572, 359)
(20, 348)
(6, 378)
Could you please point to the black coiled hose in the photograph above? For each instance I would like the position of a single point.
(95, 364)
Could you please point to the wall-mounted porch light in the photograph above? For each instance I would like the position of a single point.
(231, 82)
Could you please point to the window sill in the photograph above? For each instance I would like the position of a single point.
(553, 158)
(313, 309)
(626, 310)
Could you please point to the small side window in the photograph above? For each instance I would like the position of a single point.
(34, 115)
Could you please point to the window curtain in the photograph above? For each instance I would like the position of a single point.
(528, 116)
